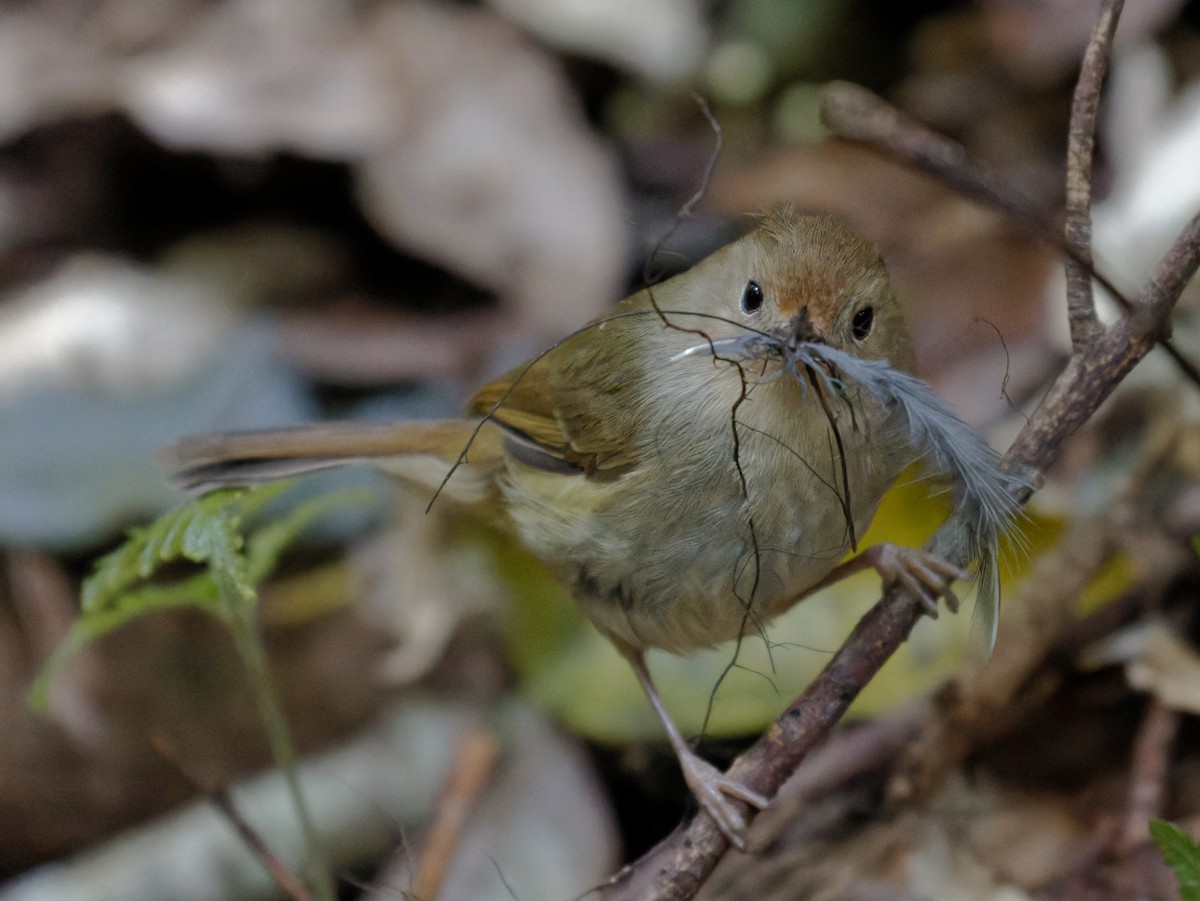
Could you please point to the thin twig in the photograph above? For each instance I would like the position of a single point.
(289, 883)
(853, 113)
(710, 167)
(1081, 141)
(1174, 272)
(473, 765)
(1148, 772)
(689, 206)
(1090, 377)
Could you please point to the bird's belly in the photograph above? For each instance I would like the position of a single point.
(711, 565)
(680, 598)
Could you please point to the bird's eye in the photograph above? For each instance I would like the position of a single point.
(860, 326)
(752, 297)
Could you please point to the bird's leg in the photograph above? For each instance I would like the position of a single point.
(707, 783)
(926, 575)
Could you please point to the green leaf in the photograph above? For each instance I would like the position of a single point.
(1182, 854)
(207, 531)
(198, 591)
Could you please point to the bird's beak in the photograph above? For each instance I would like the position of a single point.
(755, 345)
(801, 328)
(740, 347)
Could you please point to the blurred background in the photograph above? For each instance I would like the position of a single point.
(225, 214)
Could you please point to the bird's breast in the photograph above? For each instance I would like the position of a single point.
(740, 500)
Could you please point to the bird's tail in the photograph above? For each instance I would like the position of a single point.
(423, 452)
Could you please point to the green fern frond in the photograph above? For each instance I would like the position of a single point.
(206, 531)
(1182, 854)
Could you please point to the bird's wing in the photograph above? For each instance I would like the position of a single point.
(573, 409)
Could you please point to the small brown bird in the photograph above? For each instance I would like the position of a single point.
(683, 475)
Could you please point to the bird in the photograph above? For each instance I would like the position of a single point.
(691, 463)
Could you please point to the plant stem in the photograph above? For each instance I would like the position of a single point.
(239, 617)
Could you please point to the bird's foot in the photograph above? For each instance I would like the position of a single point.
(713, 790)
(927, 576)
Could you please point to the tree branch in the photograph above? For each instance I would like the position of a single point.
(1077, 229)
(855, 114)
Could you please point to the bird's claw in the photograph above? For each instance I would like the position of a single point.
(713, 790)
(927, 576)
